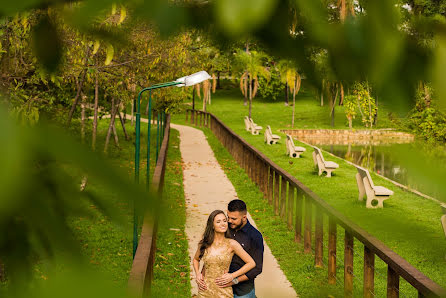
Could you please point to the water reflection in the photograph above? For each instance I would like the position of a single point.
(374, 158)
(380, 159)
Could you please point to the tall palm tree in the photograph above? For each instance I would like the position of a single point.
(251, 64)
(290, 76)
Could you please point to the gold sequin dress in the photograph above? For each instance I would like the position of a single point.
(216, 263)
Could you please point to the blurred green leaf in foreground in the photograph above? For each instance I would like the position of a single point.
(38, 196)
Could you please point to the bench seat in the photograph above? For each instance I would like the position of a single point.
(270, 138)
(373, 192)
(322, 164)
(293, 150)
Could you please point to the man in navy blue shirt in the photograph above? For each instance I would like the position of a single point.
(252, 241)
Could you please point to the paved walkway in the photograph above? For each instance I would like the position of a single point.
(207, 188)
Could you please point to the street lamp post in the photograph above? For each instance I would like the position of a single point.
(186, 81)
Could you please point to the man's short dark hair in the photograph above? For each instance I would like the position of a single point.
(237, 205)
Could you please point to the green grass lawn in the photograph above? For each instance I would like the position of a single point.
(408, 224)
(171, 273)
(309, 113)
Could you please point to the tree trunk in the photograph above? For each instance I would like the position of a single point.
(78, 95)
(350, 122)
(250, 96)
(427, 96)
(218, 80)
(286, 94)
(133, 111)
(246, 90)
(83, 103)
(123, 126)
(95, 118)
(147, 108)
(82, 75)
(341, 102)
(333, 106)
(115, 134)
(214, 83)
(370, 106)
(375, 118)
(294, 103)
(322, 94)
(111, 125)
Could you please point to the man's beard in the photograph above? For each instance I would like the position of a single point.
(237, 227)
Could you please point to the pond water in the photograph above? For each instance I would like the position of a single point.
(380, 159)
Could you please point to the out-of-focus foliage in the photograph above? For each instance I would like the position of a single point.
(426, 120)
(39, 194)
(351, 106)
(366, 103)
(272, 88)
(49, 48)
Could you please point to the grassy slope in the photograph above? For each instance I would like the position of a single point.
(171, 275)
(408, 224)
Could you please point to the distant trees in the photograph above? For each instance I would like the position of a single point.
(360, 100)
(251, 65)
(292, 79)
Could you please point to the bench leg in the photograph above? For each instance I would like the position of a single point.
(360, 187)
(370, 198)
(328, 173)
(320, 171)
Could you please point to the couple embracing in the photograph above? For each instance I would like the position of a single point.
(232, 252)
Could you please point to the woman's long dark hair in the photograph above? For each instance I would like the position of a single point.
(208, 235)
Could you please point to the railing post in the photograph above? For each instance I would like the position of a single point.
(265, 170)
(283, 198)
(256, 170)
(307, 228)
(332, 233)
(187, 114)
(276, 192)
(369, 272)
(250, 167)
(393, 283)
(244, 157)
(298, 220)
(290, 205)
(270, 185)
(262, 177)
(319, 238)
(348, 264)
(260, 173)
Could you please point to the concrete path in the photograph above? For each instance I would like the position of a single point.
(206, 189)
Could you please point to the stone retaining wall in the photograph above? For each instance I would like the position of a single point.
(345, 137)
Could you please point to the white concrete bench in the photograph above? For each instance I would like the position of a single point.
(291, 149)
(255, 129)
(247, 123)
(322, 165)
(366, 187)
(270, 138)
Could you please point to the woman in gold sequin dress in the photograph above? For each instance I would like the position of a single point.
(216, 250)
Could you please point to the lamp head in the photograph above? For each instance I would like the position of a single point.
(193, 79)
